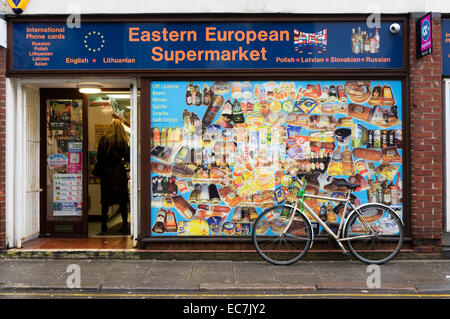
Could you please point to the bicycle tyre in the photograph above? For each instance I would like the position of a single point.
(269, 242)
(382, 247)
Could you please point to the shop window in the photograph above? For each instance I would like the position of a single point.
(222, 151)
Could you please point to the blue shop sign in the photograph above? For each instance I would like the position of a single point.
(152, 46)
(445, 47)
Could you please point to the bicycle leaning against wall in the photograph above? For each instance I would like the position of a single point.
(283, 234)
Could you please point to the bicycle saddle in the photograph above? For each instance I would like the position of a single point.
(347, 184)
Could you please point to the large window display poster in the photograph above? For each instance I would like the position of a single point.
(223, 151)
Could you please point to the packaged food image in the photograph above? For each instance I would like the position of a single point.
(215, 224)
(387, 97)
(375, 98)
(195, 227)
(265, 107)
(170, 222)
(322, 122)
(275, 106)
(275, 120)
(327, 108)
(205, 214)
(387, 170)
(222, 121)
(316, 147)
(280, 195)
(162, 153)
(300, 93)
(335, 165)
(313, 91)
(230, 197)
(221, 87)
(360, 112)
(228, 228)
(324, 95)
(358, 91)
(359, 135)
(302, 120)
(246, 89)
(183, 207)
(161, 168)
(322, 136)
(364, 168)
(390, 154)
(345, 122)
(240, 133)
(367, 154)
(342, 97)
(342, 136)
(332, 94)
(158, 226)
(307, 105)
(256, 120)
(288, 106)
(298, 147)
(181, 170)
(291, 119)
(347, 162)
(236, 90)
(264, 179)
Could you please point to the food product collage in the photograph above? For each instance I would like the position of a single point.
(223, 151)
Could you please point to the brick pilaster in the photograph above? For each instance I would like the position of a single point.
(426, 107)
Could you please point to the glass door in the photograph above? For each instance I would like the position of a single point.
(64, 186)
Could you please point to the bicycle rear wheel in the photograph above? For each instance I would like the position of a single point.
(382, 241)
(275, 246)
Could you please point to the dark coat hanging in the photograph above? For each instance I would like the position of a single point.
(111, 170)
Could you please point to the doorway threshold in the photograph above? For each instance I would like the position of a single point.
(97, 243)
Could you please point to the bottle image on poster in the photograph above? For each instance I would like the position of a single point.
(223, 151)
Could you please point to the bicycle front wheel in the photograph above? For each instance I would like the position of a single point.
(275, 243)
(375, 234)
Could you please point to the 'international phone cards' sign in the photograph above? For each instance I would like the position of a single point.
(424, 36)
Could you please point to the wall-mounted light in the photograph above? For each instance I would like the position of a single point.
(89, 88)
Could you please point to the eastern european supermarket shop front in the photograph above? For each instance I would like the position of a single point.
(228, 110)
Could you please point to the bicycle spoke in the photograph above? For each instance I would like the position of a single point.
(276, 247)
(384, 230)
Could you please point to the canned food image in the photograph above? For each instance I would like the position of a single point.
(245, 229)
(228, 228)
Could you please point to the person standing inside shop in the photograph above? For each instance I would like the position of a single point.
(113, 152)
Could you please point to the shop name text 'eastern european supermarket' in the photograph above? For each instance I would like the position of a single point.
(135, 34)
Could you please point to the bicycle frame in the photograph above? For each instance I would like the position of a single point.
(337, 236)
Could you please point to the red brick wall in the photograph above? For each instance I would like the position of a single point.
(426, 108)
(2, 146)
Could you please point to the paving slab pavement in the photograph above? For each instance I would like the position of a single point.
(210, 275)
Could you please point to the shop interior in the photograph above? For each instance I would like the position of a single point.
(102, 109)
(107, 100)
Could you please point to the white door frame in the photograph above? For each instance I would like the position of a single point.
(16, 188)
(134, 207)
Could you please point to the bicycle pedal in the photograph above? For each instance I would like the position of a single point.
(346, 253)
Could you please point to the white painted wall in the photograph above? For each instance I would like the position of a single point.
(229, 6)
